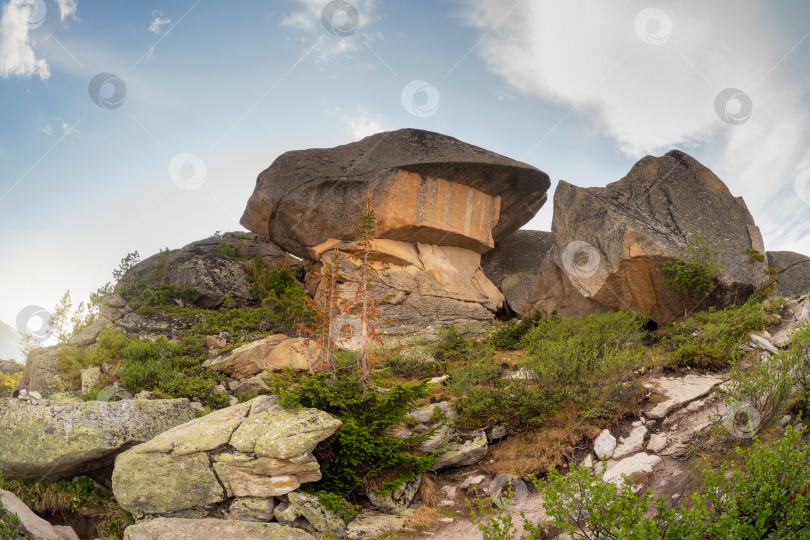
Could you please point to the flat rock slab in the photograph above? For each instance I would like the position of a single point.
(679, 391)
(638, 463)
(195, 529)
(631, 444)
(374, 525)
(32, 525)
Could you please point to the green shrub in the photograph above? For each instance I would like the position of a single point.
(153, 288)
(453, 345)
(581, 362)
(695, 274)
(338, 505)
(226, 250)
(510, 333)
(414, 368)
(10, 528)
(362, 448)
(278, 291)
(712, 339)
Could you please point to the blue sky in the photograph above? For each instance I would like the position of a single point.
(580, 89)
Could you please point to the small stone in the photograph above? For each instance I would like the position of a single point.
(497, 433)
(233, 401)
(657, 443)
(588, 461)
(446, 520)
(604, 445)
(785, 420)
(636, 423)
(632, 444)
(766, 334)
(33, 394)
(197, 406)
(450, 491)
(695, 405)
(446, 502)
(763, 344)
(144, 394)
(472, 481)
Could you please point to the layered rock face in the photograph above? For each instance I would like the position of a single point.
(440, 204)
(610, 242)
(794, 273)
(254, 449)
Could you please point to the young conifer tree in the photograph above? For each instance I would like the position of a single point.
(365, 231)
(330, 298)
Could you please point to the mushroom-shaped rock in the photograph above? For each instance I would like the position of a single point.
(427, 188)
(610, 242)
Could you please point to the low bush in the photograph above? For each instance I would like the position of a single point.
(509, 334)
(414, 368)
(578, 362)
(362, 451)
(454, 345)
(711, 339)
(153, 288)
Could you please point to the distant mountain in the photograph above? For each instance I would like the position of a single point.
(9, 339)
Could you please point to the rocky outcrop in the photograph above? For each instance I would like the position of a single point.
(10, 367)
(418, 287)
(112, 309)
(514, 264)
(254, 449)
(793, 279)
(209, 268)
(273, 353)
(610, 242)
(153, 325)
(194, 529)
(62, 441)
(427, 188)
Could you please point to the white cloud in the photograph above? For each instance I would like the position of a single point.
(351, 18)
(586, 56)
(17, 57)
(47, 130)
(159, 22)
(67, 8)
(363, 124)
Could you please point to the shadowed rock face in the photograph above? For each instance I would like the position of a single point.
(610, 242)
(427, 188)
(794, 273)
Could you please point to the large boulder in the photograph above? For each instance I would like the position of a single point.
(610, 242)
(10, 367)
(221, 529)
(62, 441)
(794, 273)
(41, 372)
(514, 263)
(273, 353)
(209, 267)
(427, 188)
(254, 449)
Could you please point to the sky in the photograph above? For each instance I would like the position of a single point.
(131, 126)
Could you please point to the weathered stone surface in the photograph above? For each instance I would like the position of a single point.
(374, 526)
(604, 445)
(425, 414)
(205, 267)
(514, 264)
(635, 464)
(321, 519)
(91, 377)
(657, 443)
(463, 450)
(610, 242)
(34, 527)
(252, 509)
(153, 325)
(63, 441)
(41, 373)
(631, 444)
(195, 529)
(399, 499)
(679, 391)
(253, 449)
(418, 286)
(260, 355)
(427, 187)
(793, 279)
